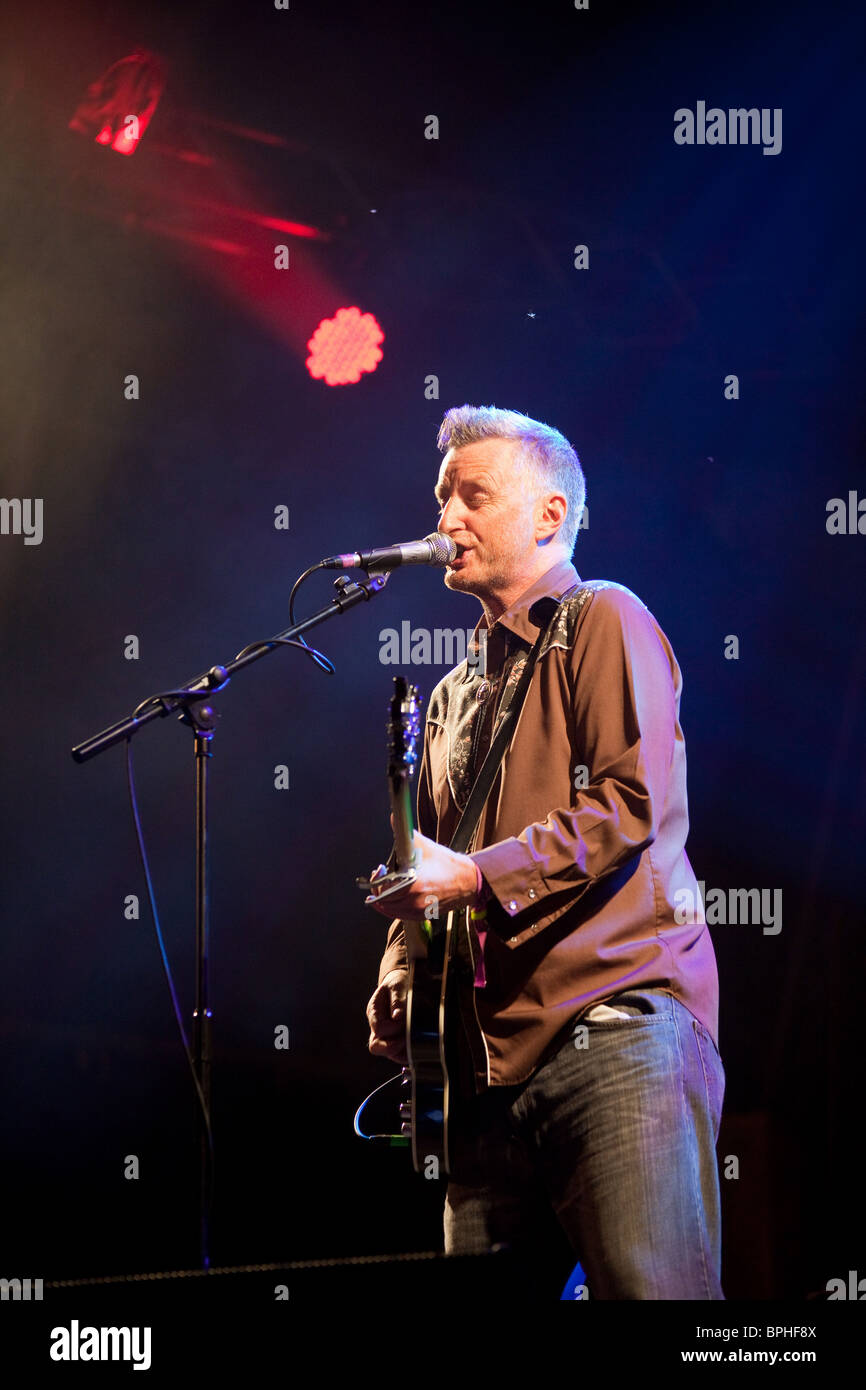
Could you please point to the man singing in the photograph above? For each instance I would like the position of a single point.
(591, 1134)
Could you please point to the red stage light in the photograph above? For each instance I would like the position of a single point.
(119, 104)
(345, 346)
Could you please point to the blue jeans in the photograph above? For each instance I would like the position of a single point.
(605, 1155)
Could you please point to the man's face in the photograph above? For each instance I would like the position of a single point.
(488, 506)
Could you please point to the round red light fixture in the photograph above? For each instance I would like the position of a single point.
(345, 346)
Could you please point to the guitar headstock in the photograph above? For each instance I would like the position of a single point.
(404, 729)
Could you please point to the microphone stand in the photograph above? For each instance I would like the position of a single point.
(192, 701)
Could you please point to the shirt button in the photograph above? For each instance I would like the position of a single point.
(512, 906)
(531, 893)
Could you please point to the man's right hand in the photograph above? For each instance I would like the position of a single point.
(386, 1014)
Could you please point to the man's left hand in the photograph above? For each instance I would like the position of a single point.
(443, 881)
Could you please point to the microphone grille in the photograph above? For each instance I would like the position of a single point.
(442, 548)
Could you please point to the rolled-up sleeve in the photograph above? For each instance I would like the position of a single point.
(625, 720)
(394, 957)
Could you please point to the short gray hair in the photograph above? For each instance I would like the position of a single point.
(546, 451)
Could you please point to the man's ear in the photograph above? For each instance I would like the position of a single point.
(550, 513)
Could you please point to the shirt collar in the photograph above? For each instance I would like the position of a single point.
(532, 611)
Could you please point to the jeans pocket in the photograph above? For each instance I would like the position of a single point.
(601, 1013)
(648, 1006)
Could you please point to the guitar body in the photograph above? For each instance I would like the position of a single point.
(436, 1066)
(445, 1044)
(431, 1006)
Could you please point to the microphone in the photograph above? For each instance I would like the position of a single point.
(435, 549)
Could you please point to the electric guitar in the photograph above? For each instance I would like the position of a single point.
(433, 1072)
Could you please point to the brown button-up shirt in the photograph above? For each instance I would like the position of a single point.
(582, 839)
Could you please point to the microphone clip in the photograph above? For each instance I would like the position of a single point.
(373, 584)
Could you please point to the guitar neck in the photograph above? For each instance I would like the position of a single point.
(401, 808)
